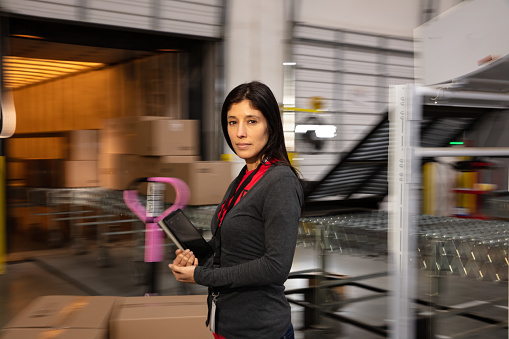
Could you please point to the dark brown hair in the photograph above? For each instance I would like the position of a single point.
(262, 99)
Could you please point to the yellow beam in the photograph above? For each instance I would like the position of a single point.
(429, 194)
(3, 211)
(295, 109)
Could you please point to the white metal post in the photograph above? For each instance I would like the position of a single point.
(404, 177)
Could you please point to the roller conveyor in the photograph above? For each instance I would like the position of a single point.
(467, 247)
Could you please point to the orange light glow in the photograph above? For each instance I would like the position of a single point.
(20, 71)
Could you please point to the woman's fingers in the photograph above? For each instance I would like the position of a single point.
(191, 260)
(178, 258)
(184, 258)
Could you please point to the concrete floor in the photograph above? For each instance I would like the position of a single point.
(60, 271)
(34, 269)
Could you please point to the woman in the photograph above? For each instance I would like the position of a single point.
(254, 228)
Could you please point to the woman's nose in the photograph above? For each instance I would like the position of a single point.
(241, 131)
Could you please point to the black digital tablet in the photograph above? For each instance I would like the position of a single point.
(182, 232)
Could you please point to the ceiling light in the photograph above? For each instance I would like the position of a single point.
(20, 71)
(27, 36)
(322, 131)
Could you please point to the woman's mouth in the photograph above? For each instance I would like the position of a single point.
(243, 146)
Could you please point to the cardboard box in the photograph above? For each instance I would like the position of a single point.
(207, 180)
(57, 173)
(61, 311)
(171, 159)
(82, 145)
(120, 135)
(44, 172)
(49, 333)
(117, 171)
(160, 317)
(167, 137)
(79, 173)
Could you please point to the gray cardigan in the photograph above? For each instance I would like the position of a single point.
(258, 238)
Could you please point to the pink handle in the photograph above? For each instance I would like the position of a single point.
(181, 199)
(181, 191)
(154, 236)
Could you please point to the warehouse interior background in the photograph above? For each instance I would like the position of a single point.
(394, 113)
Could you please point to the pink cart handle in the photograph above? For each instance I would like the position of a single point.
(132, 201)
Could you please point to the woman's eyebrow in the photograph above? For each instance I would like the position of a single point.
(246, 116)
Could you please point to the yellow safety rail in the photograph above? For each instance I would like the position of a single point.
(3, 244)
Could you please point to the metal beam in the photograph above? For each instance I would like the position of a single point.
(461, 151)
(445, 93)
(405, 115)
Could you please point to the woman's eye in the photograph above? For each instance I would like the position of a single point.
(252, 121)
(231, 122)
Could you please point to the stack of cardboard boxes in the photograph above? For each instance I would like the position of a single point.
(135, 147)
(83, 317)
(77, 167)
(80, 166)
(129, 148)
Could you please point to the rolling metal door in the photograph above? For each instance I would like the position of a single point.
(201, 18)
(350, 73)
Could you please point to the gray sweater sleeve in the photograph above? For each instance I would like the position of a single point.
(280, 200)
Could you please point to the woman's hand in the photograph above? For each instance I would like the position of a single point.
(185, 258)
(183, 273)
(183, 266)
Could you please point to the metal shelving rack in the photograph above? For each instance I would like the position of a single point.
(405, 154)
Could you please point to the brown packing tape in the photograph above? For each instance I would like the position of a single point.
(52, 334)
(72, 310)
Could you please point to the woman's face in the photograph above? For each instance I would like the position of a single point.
(248, 132)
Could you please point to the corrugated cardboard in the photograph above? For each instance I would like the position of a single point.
(207, 180)
(171, 159)
(83, 145)
(120, 135)
(80, 173)
(46, 333)
(61, 311)
(117, 171)
(160, 317)
(167, 137)
(57, 173)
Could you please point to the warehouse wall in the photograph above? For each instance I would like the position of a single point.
(389, 17)
(256, 31)
(254, 42)
(197, 17)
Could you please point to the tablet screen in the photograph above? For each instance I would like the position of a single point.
(186, 236)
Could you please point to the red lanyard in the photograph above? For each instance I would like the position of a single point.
(235, 195)
(244, 182)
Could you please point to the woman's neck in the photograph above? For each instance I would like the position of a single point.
(252, 166)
